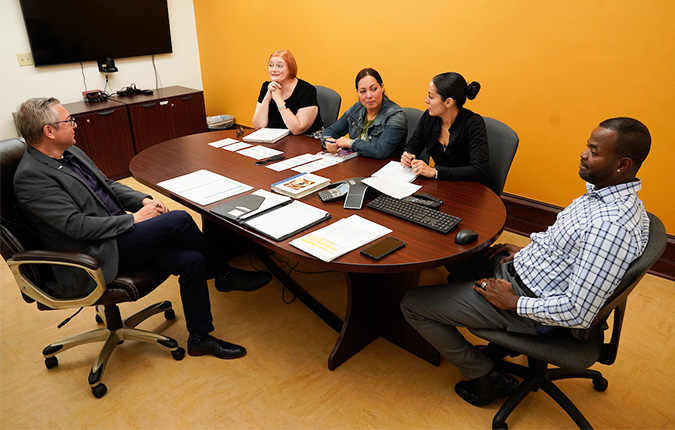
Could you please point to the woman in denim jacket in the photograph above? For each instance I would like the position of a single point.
(377, 126)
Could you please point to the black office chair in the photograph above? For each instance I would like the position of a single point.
(31, 266)
(413, 116)
(329, 104)
(503, 143)
(573, 351)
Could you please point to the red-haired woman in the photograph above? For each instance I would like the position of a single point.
(295, 106)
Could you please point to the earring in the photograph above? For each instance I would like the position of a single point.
(618, 170)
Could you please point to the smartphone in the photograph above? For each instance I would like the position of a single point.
(384, 247)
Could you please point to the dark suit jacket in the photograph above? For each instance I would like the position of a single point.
(65, 211)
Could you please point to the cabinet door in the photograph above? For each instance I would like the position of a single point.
(188, 114)
(105, 136)
(151, 123)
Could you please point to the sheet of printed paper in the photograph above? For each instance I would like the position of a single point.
(223, 142)
(319, 164)
(340, 237)
(204, 187)
(237, 146)
(259, 152)
(292, 162)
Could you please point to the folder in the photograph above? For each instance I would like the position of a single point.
(250, 205)
(286, 221)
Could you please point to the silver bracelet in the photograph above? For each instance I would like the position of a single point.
(435, 174)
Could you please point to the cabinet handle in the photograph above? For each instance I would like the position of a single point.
(88, 121)
(186, 98)
(164, 103)
(107, 112)
(148, 105)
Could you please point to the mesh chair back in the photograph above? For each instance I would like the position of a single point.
(503, 143)
(329, 104)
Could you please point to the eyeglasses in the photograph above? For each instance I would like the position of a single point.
(70, 119)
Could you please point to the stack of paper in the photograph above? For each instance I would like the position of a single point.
(393, 180)
(340, 237)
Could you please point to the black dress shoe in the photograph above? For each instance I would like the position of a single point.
(241, 280)
(486, 389)
(212, 346)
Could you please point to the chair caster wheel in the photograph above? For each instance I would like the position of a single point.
(99, 390)
(600, 384)
(170, 314)
(51, 362)
(178, 354)
(503, 426)
(99, 319)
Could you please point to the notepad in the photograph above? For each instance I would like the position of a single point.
(267, 135)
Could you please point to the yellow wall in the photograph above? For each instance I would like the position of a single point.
(551, 70)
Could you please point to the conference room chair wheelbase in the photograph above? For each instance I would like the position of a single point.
(115, 332)
(572, 351)
(32, 269)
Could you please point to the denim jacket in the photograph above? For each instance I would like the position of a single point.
(386, 136)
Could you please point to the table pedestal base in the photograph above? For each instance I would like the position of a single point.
(373, 311)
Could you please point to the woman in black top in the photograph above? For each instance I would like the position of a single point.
(295, 106)
(453, 137)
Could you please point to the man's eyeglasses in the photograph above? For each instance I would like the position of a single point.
(70, 119)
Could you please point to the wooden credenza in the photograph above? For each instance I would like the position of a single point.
(112, 132)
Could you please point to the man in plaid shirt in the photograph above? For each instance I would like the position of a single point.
(562, 278)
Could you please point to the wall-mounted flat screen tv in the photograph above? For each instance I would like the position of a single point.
(74, 31)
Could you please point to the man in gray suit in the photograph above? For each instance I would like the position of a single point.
(72, 205)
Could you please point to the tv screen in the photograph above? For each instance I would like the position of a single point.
(74, 31)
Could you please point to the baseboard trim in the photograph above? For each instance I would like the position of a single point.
(525, 216)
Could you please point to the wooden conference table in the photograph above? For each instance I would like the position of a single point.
(375, 287)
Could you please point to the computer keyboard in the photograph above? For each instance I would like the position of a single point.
(413, 212)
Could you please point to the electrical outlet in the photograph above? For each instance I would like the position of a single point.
(25, 59)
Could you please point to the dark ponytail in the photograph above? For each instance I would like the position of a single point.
(453, 85)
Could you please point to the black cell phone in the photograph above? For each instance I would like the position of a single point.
(384, 247)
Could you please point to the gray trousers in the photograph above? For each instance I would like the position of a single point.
(436, 312)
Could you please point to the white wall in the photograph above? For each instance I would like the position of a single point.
(66, 83)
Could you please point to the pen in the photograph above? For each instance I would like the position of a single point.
(272, 158)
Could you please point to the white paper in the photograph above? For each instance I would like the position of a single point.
(340, 237)
(259, 152)
(394, 188)
(204, 187)
(319, 164)
(395, 171)
(287, 219)
(292, 162)
(223, 142)
(237, 146)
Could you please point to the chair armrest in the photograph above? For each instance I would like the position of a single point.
(78, 260)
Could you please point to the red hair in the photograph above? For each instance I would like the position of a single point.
(288, 59)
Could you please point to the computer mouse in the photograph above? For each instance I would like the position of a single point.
(465, 236)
